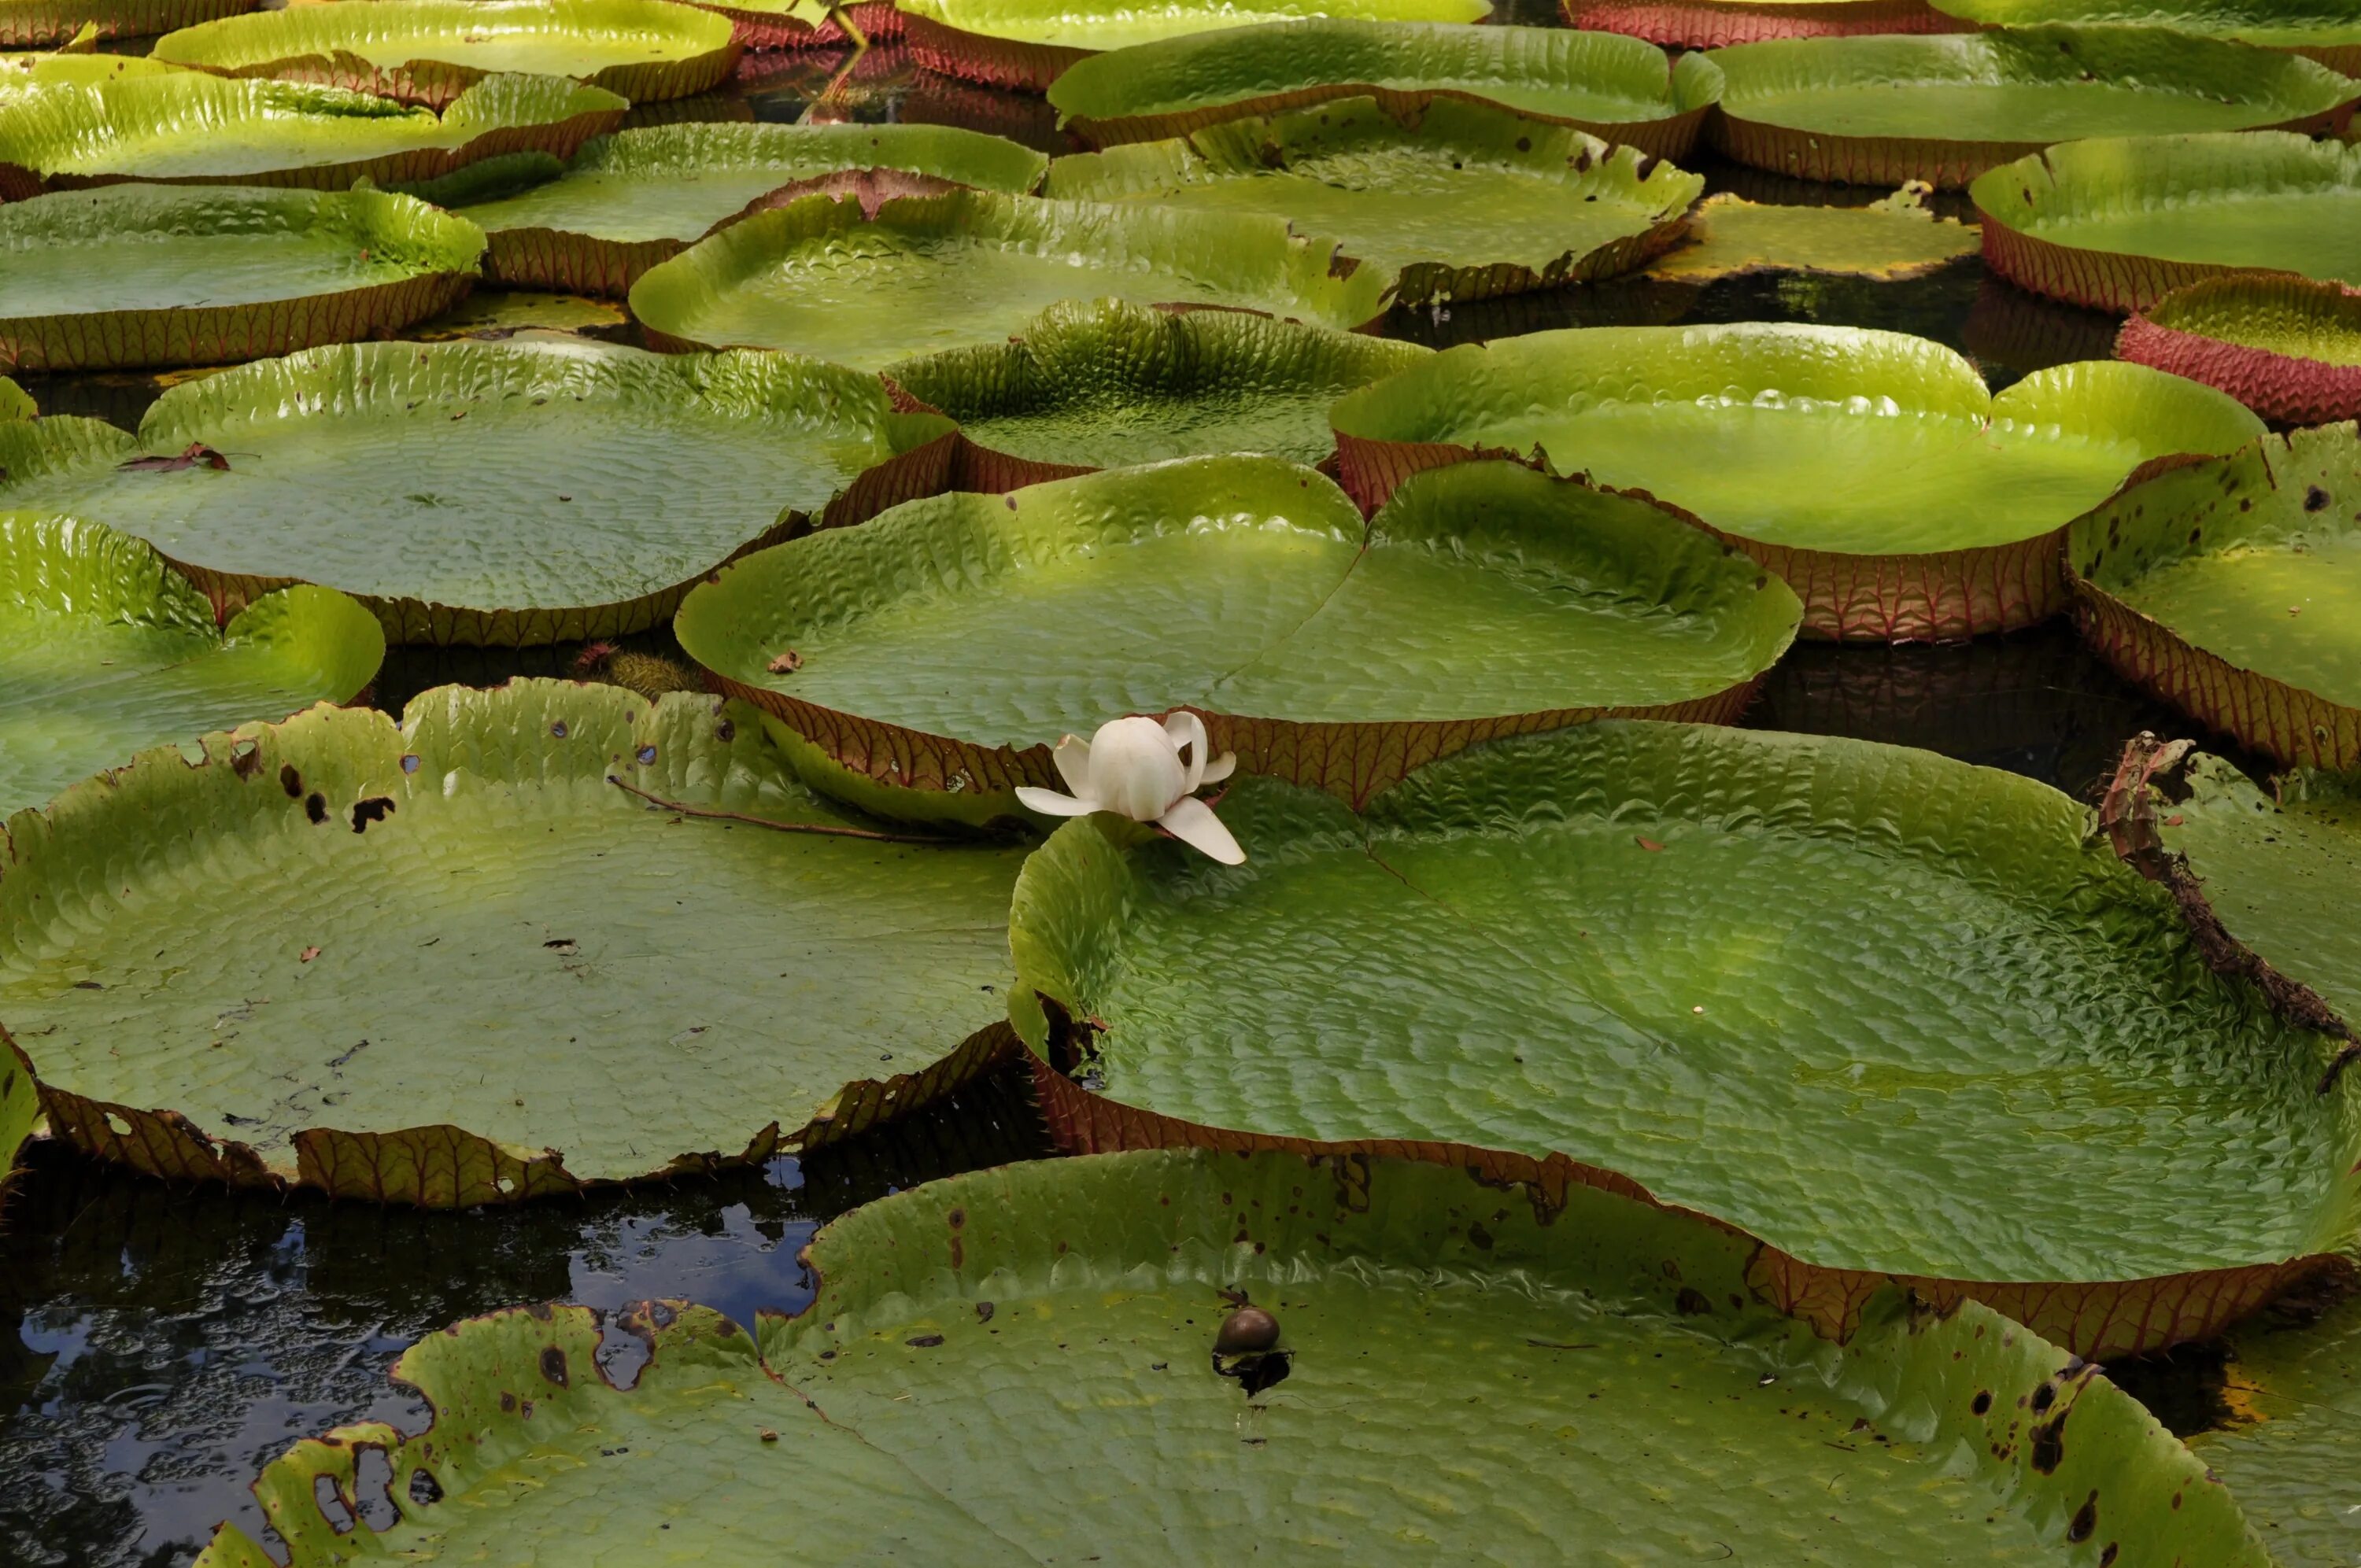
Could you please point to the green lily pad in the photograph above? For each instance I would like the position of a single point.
(161, 275)
(2287, 347)
(2264, 875)
(788, 23)
(1882, 110)
(2327, 30)
(106, 650)
(189, 127)
(1464, 202)
(1487, 600)
(1469, 1371)
(1102, 384)
(1999, 1066)
(1958, 531)
(1026, 44)
(516, 493)
(429, 51)
(47, 24)
(637, 198)
(875, 276)
(1615, 88)
(1887, 240)
(429, 964)
(2232, 587)
(2118, 224)
(1718, 24)
(2289, 1452)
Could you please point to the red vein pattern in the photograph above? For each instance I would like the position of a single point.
(1890, 161)
(2103, 280)
(2293, 726)
(435, 84)
(1702, 24)
(2284, 387)
(222, 334)
(979, 57)
(559, 138)
(1935, 597)
(2094, 1319)
(1352, 761)
(46, 27)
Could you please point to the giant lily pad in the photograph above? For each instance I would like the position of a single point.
(1614, 87)
(1465, 201)
(2266, 878)
(1717, 24)
(515, 492)
(2232, 587)
(873, 277)
(45, 24)
(429, 51)
(1970, 1049)
(2327, 30)
(441, 964)
(106, 650)
(2287, 347)
(1872, 470)
(188, 127)
(134, 275)
(1469, 1371)
(637, 198)
(1102, 384)
(1485, 601)
(2120, 222)
(1894, 238)
(1026, 44)
(1882, 110)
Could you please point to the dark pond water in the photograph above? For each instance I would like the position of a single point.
(158, 1345)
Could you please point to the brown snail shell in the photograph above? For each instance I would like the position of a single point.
(1249, 1331)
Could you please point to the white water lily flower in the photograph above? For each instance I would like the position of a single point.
(1133, 768)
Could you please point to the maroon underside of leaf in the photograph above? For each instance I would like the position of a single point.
(224, 334)
(1935, 597)
(1007, 63)
(2283, 387)
(561, 138)
(435, 84)
(2292, 726)
(1702, 24)
(51, 26)
(443, 1167)
(2094, 1319)
(2103, 280)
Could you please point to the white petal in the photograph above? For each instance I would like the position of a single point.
(1134, 769)
(1192, 822)
(1049, 802)
(1220, 767)
(1074, 759)
(1188, 733)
